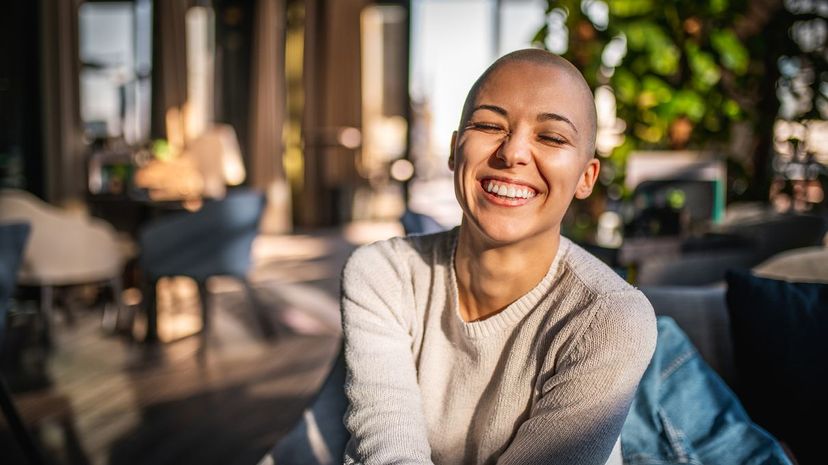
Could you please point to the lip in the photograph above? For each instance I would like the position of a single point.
(497, 200)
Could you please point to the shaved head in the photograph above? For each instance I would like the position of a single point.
(542, 58)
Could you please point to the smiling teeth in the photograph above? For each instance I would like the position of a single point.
(508, 190)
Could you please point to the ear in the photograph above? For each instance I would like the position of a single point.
(588, 178)
(452, 150)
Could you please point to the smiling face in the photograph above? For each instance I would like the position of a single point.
(524, 150)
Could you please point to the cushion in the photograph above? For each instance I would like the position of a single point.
(780, 349)
(806, 265)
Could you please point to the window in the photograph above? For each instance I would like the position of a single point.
(116, 64)
(445, 61)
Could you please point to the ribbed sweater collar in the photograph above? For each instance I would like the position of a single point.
(516, 311)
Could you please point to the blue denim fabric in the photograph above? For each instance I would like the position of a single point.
(683, 413)
(320, 436)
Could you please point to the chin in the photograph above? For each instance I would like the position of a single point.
(498, 230)
(501, 234)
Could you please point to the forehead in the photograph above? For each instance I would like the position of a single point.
(540, 87)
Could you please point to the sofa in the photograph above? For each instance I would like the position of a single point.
(734, 348)
(743, 241)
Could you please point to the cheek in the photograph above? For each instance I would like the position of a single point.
(461, 174)
(467, 160)
(561, 173)
(478, 148)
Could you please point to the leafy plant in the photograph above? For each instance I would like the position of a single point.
(675, 67)
(684, 71)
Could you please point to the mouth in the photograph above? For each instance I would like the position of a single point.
(509, 191)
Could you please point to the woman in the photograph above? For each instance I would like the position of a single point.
(499, 341)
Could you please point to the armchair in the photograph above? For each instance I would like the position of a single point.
(215, 240)
(64, 249)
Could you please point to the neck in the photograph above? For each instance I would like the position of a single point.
(492, 276)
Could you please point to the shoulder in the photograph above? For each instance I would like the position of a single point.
(399, 255)
(378, 280)
(594, 275)
(618, 314)
(627, 313)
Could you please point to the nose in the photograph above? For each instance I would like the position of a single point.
(516, 148)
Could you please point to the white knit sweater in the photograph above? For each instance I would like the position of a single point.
(549, 380)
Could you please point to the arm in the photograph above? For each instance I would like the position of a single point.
(385, 415)
(585, 401)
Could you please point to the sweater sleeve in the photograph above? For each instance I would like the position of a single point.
(584, 403)
(385, 415)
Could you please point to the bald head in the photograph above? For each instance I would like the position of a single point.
(542, 58)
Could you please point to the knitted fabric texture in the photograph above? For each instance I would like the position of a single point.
(548, 380)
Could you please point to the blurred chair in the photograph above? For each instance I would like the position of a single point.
(13, 237)
(36, 407)
(65, 249)
(668, 206)
(773, 233)
(12, 242)
(674, 191)
(742, 244)
(419, 223)
(213, 241)
(697, 268)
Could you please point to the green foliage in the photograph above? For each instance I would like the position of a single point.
(680, 74)
(705, 70)
(734, 55)
(682, 62)
(718, 6)
(690, 69)
(630, 8)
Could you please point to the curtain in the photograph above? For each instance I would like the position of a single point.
(267, 113)
(169, 65)
(267, 94)
(62, 129)
(333, 101)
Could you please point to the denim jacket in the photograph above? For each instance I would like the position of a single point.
(683, 413)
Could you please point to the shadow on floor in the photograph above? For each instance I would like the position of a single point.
(227, 426)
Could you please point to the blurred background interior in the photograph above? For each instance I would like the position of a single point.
(190, 176)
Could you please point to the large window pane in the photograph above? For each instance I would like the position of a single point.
(115, 52)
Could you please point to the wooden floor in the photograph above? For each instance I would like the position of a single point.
(222, 400)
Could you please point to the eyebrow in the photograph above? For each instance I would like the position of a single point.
(557, 117)
(493, 108)
(541, 116)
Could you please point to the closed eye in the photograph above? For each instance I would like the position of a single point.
(552, 139)
(486, 127)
